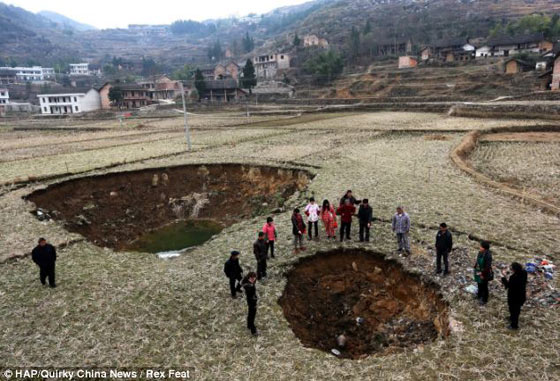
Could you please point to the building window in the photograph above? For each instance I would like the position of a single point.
(75, 99)
(76, 108)
(281, 57)
(44, 109)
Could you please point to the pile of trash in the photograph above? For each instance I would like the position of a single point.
(540, 287)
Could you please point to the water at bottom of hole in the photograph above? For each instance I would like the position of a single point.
(170, 240)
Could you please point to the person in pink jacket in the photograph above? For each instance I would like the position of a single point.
(328, 216)
(269, 230)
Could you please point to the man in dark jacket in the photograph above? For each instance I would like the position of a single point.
(44, 255)
(483, 272)
(346, 213)
(234, 272)
(260, 250)
(249, 284)
(516, 286)
(348, 196)
(444, 245)
(365, 216)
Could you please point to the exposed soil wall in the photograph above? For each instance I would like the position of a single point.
(112, 210)
(327, 293)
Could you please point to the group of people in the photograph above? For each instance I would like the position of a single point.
(44, 254)
(263, 249)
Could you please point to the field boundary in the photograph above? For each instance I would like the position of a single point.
(460, 157)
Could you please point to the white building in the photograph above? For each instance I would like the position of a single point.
(4, 96)
(79, 69)
(506, 46)
(266, 67)
(31, 74)
(69, 101)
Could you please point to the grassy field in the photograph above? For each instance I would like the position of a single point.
(133, 309)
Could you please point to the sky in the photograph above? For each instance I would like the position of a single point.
(120, 13)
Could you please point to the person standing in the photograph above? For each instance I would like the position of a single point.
(44, 255)
(249, 285)
(483, 271)
(328, 216)
(234, 272)
(312, 211)
(346, 212)
(516, 295)
(444, 245)
(401, 226)
(298, 230)
(269, 230)
(260, 250)
(348, 196)
(365, 216)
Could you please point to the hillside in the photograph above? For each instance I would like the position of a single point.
(65, 22)
(28, 36)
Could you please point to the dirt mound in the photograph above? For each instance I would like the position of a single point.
(114, 209)
(359, 299)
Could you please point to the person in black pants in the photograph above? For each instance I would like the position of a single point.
(444, 245)
(260, 249)
(44, 255)
(365, 216)
(483, 272)
(516, 286)
(346, 212)
(234, 272)
(249, 284)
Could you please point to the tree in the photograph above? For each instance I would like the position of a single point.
(249, 78)
(215, 51)
(326, 66)
(248, 43)
(367, 28)
(116, 95)
(199, 83)
(149, 67)
(354, 43)
(297, 40)
(183, 74)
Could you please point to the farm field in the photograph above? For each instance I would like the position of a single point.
(532, 166)
(121, 308)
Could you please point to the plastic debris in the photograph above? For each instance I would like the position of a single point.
(472, 289)
(335, 352)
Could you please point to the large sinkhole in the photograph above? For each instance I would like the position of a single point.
(354, 303)
(184, 203)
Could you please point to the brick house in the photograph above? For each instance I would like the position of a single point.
(556, 74)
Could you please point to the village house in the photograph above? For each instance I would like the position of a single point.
(406, 62)
(226, 90)
(394, 47)
(69, 101)
(555, 85)
(133, 95)
(4, 101)
(4, 96)
(226, 71)
(267, 66)
(450, 50)
(162, 88)
(79, 69)
(27, 74)
(313, 40)
(505, 46)
(7, 77)
(515, 66)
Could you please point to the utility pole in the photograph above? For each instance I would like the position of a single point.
(187, 131)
